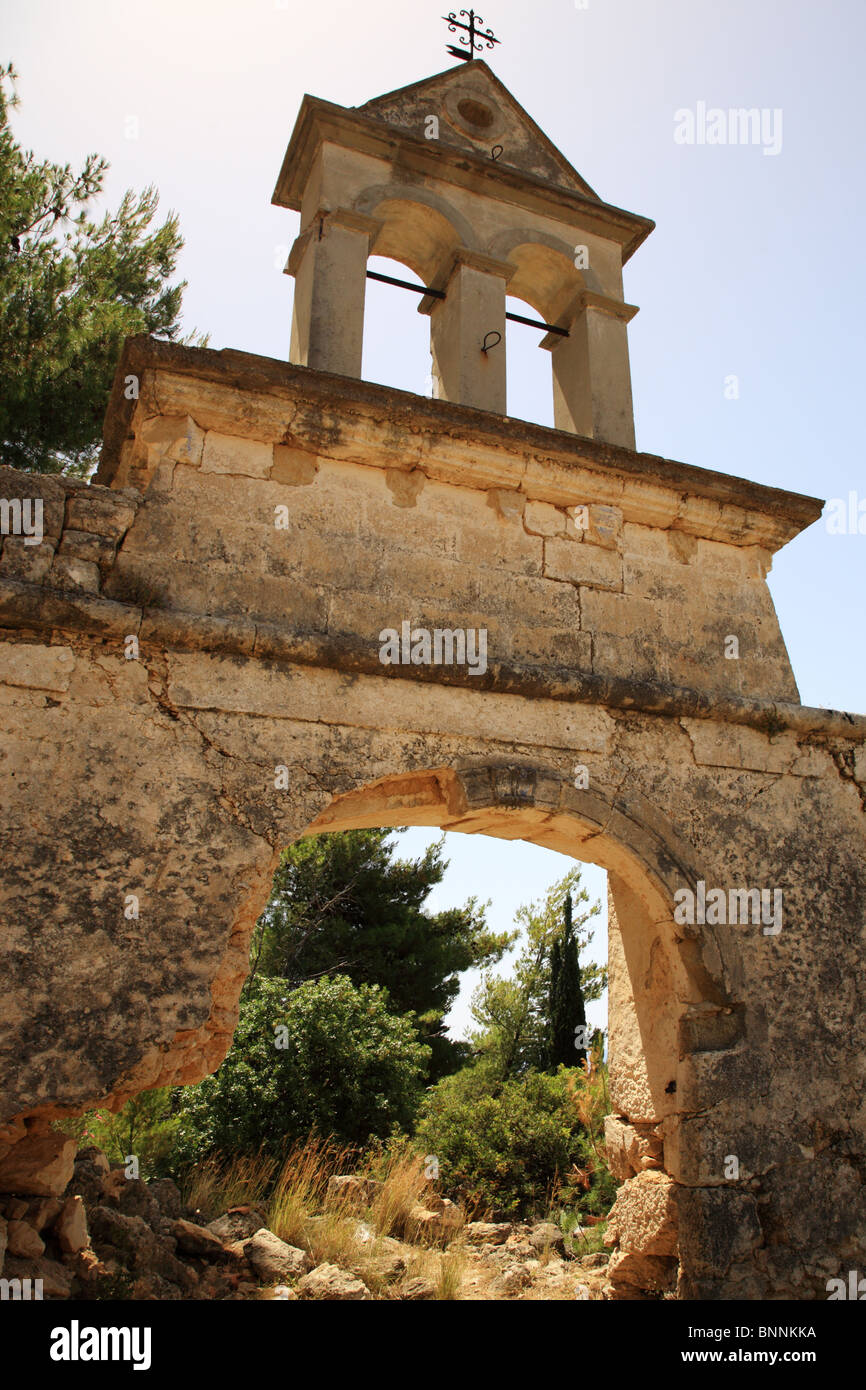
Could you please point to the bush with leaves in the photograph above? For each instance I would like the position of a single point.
(144, 1127)
(591, 1187)
(327, 1057)
(503, 1146)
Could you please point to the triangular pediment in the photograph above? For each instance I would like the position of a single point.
(476, 113)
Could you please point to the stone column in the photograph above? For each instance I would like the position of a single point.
(472, 311)
(329, 263)
(643, 1220)
(591, 376)
(630, 1088)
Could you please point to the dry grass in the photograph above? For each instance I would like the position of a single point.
(333, 1239)
(403, 1185)
(546, 1254)
(217, 1184)
(330, 1227)
(565, 1290)
(449, 1278)
(301, 1190)
(444, 1269)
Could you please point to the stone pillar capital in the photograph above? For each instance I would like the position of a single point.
(477, 260)
(317, 228)
(585, 300)
(464, 257)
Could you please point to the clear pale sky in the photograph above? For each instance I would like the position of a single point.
(755, 269)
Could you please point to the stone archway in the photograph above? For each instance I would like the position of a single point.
(654, 986)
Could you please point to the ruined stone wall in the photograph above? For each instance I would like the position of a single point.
(143, 774)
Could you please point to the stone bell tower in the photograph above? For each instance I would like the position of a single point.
(451, 177)
(195, 673)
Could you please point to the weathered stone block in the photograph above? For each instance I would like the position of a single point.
(177, 438)
(543, 520)
(70, 1227)
(197, 1240)
(26, 488)
(273, 1259)
(295, 467)
(724, 745)
(631, 1148)
(36, 667)
(29, 562)
(662, 582)
(736, 562)
(23, 1240)
(647, 542)
(334, 1284)
(644, 1216)
(582, 564)
(507, 504)
(41, 1165)
(87, 545)
(69, 573)
(405, 487)
(41, 1212)
(652, 1273)
(717, 1228)
(101, 511)
(225, 453)
(605, 526)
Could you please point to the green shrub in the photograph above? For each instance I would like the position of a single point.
(327, 1057)
(145, 1127)
(503, 1147)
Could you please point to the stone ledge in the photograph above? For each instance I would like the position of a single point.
(37, 609)
(783, 514)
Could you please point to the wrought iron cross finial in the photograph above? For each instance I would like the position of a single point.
(486, 35)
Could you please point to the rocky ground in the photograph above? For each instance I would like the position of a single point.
(110, 1237)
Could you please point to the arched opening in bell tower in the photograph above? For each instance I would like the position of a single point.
(396, 336)
(528, 391)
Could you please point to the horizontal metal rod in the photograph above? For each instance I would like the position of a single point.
(440, 294)
(405, 284)
(538, 323)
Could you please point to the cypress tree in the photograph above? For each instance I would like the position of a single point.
(567, 1006)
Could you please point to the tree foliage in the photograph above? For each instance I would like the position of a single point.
(567, 1010)
(514, 1014)
(343, 902)
(143, 1128)
(71, 290)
